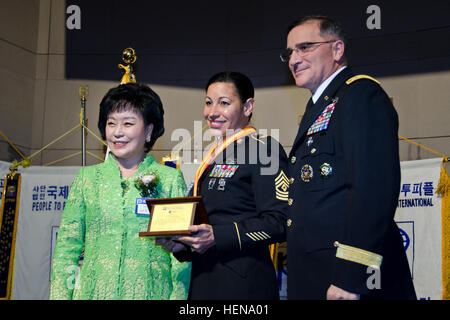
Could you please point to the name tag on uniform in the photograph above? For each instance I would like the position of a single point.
(141, 208)
(223, 170)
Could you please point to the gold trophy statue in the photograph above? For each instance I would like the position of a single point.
(129, 57)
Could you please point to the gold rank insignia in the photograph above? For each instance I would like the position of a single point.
(357, 255)
(361, 76)
(282, 186)
(257, 236)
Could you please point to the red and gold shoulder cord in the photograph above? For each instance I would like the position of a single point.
(217, 149)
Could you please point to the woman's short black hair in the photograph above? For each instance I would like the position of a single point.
(242, 83)
(136, 97)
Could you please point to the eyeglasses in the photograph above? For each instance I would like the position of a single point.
(301, 48)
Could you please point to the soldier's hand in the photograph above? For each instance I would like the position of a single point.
(202, 238)
(170, 244)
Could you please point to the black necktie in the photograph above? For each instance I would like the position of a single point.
(309, 106)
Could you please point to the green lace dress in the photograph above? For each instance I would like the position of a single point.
(118, 264)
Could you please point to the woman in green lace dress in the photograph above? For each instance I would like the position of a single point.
(100, 213)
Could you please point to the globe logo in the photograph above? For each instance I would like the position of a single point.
(405, 237)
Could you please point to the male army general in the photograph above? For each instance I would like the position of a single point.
(345, 176)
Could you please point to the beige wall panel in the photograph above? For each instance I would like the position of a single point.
(280, 108)
(9, 154)
(182, 106)
(57, 43)
(421, 101)
(16, 59)
(434, 101)
(43, 27)
(42, 66)
(403, 91)
(56, 67)
(37, 125)
(409, 151)
(19, 23)
(16, 106)
(50, 156)
(63, 107)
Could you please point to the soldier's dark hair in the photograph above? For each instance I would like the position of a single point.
(242, 83)
(135, 97)
(327, 25)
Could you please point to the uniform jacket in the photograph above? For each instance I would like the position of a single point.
(245, 195)
(345, 185)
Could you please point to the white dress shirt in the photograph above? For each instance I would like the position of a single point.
(325, 84)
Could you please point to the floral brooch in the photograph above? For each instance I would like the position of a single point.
(146, 183)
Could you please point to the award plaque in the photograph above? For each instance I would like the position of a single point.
(173, 216)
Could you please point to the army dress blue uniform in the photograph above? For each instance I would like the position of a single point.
(247, 210)
(345, 179)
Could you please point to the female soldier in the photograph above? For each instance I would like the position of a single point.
(244, 199)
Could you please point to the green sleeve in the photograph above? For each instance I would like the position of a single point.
(181, 278)
(178, 188)
(181, 271)
(69, 243)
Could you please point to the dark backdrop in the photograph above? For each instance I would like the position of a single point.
(182, 43)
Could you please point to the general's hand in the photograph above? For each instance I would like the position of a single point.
(170, 244)
(335, 293)
(202, 238)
